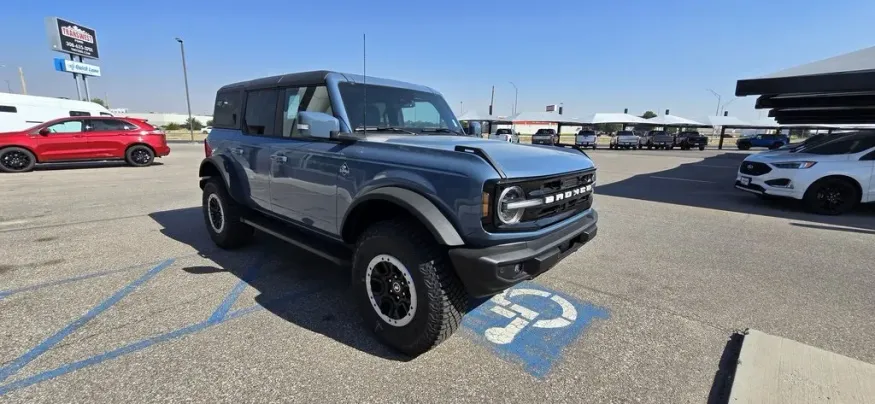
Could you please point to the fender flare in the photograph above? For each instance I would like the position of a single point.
(231, 174)
(423, 209)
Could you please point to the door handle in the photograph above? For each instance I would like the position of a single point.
(237, 151)
(279, 158)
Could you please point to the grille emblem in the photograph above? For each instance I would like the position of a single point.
(750, 166)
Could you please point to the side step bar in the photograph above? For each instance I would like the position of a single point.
(337, 254)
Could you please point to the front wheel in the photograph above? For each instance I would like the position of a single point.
(139, 156)
(16, 160)
(831, 196)
(743, 146)
(701, 147)
(405, 287)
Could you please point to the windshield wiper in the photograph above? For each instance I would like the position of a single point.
(442, 130)
(383, 129)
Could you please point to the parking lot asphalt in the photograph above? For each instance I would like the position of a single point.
(111, 291)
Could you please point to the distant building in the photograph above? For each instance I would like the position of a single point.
(160, 119)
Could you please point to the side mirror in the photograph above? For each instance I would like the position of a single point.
(317, 124)
(44, 131)
(474, 129)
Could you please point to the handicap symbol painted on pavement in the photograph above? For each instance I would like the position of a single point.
(531, 324)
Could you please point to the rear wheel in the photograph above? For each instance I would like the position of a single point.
(744, 146)
(139, 156)
(405, 286)
(831, 196)
(223, 215)
(701, 147)
(16, 160)
(776, 145)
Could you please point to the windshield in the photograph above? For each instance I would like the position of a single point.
(586, 133)
(393, 107)
(544, 132)
(625, 133)
(657, 133)
(503, 132)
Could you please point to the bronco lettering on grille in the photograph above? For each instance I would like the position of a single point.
(567, 194)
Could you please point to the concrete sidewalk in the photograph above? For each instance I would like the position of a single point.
(778, 370)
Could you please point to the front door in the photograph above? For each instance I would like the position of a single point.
(303, 183)
(64, 142)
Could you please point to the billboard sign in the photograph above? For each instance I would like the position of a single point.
(69, 66)
(69, 37)
(551, 108)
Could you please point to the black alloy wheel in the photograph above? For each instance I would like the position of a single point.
(16, 160)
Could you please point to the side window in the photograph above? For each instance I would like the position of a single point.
(226, 112)
(79, 113)
(104, 125)
(422, 114)
(260, 115)
(311, 99)
(833, 148)
(863, 144)
(868, 157)
(66, 127)
(8, 108)
(105, 114)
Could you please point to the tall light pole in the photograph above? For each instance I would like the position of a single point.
(718, 100)
(187, 98)
(515, 96)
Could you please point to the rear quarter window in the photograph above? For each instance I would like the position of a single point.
(226, 113)
(8, 108)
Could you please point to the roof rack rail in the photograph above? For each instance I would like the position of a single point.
(482, 154)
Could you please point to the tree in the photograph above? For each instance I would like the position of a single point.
(648, 115)
(172, 126)
(99, 101)
(192, 124)
(210, 123)
(608, 127)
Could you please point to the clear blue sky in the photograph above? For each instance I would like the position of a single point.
(593, 56)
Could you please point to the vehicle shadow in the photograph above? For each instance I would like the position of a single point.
(85, 164)
(292, 284)
(710, 183)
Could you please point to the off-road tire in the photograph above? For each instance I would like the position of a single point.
(744, 146)
(15, 154)
(232, 233)
(441, 297)
(701, 148)
(850, 196)
(139, 156)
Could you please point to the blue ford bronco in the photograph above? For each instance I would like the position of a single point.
(377, 175)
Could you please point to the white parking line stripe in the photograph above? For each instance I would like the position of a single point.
(680, 179)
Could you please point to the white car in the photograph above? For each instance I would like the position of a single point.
(586, 138)
(505, 135)
(829, 177)
(206, 130)
(625, 139)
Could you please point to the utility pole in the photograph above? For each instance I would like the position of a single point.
(187, 98)
(718, 101)
(492, 101)
(8, 87)
(515, 96)
(23, 84)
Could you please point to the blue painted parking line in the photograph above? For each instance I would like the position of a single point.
(531, 325)
(10, 292)
(232, 296)
(50, 342)
(140, 345)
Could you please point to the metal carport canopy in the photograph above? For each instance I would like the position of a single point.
(611, 117)
(674, 120)
(837, 90)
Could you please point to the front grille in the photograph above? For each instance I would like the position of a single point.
(754, 168)
(541, 188)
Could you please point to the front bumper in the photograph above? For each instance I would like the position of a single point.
(760, 184)
(490, 270)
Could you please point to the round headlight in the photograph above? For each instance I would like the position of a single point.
(509, 194)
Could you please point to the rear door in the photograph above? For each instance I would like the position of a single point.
(252, 150)
(108, 137)
(65, 141)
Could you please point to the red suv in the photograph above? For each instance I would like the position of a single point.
(82, 139)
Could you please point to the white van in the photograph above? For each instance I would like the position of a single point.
(19, 112)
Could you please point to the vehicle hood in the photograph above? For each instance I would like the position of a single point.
(516, 160)
(585, 137)
(777, 156)
(7, 134)
(662, 137)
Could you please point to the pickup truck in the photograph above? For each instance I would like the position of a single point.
(625, 139)
(771, 141)
(545, 136)
(586, 138)
(690, 139)
(505, 135)
(658, 139)
(388, 187)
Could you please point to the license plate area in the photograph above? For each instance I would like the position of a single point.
(745, 181)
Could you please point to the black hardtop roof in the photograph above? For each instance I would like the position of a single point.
(292, 79)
